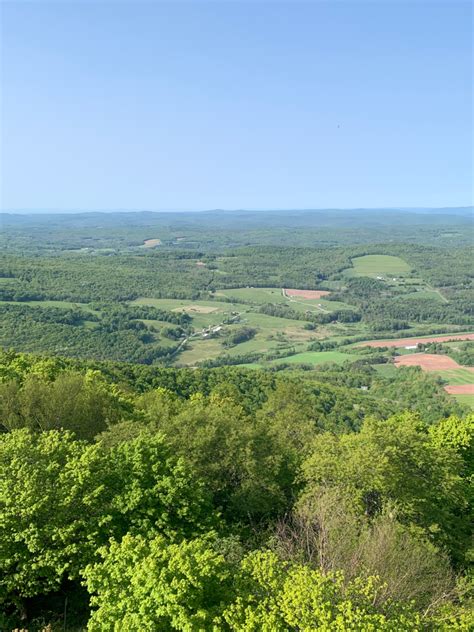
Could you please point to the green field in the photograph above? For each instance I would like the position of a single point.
(467, 400)
(203, 313)
(273, 334)
(316, 357)
(457, 376)
(386, 370)
(378, 265)
(258, 295)
(262, 295)
(408, 334)
(430, 294)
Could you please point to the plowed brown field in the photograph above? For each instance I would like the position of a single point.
(309, 294)
(460, 389)
(408, 342)
(428, 361)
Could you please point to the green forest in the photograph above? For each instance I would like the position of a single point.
(188, 442)
(219, 499)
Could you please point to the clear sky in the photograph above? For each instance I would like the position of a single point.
(199, 105)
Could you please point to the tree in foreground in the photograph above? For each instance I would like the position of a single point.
(398, 462)
(60, 499)
(154, 585)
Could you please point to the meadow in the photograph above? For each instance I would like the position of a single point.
(378, 266)
(316, 358)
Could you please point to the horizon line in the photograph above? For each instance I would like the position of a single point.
(21, 211)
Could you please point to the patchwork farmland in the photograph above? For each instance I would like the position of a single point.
(459, 380)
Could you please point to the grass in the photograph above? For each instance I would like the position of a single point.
(378, 265)
(216, 311)
(408, 334)
(386, 370)
(272, 334)
(258, 295)
(468, 400)
(262, 295)
(316, 357)
(316, 305)
(458, 376)
(430, 294)
(198, 350)
(273, 323)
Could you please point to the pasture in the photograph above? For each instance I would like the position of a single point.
(458, 377)
(378, 266)
(316, 358)
(306, 294)
(272, 332)
(259, 295)
(433, 295)
(151, 243)
(204, 313)
(299, 300)
(466, 399)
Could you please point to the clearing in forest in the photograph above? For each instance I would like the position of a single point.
(382, 266)
(151, 243)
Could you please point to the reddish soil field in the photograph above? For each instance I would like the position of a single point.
(460, 389)
(408, 342)
(428, 361)
(309, 294)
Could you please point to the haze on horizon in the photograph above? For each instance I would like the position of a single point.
(250, 105)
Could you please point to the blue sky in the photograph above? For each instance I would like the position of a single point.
(175, 105)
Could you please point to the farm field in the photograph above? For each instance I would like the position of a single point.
(405, 342)
(466, 399)
(309, 300)
(258, 295)
(378, 266)
(434, 295)
(306, 294)
(386, 370)
(460, 380)
(204, 272)
(151, 243)
(316, 357)
(272, 333)
(460, 376)
(427, 361)
(460, 389)
(460, 384)
(203, 313)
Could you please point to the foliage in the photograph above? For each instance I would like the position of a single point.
(396, 461)
(84, 404)
(60, 499)
(156, 585)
